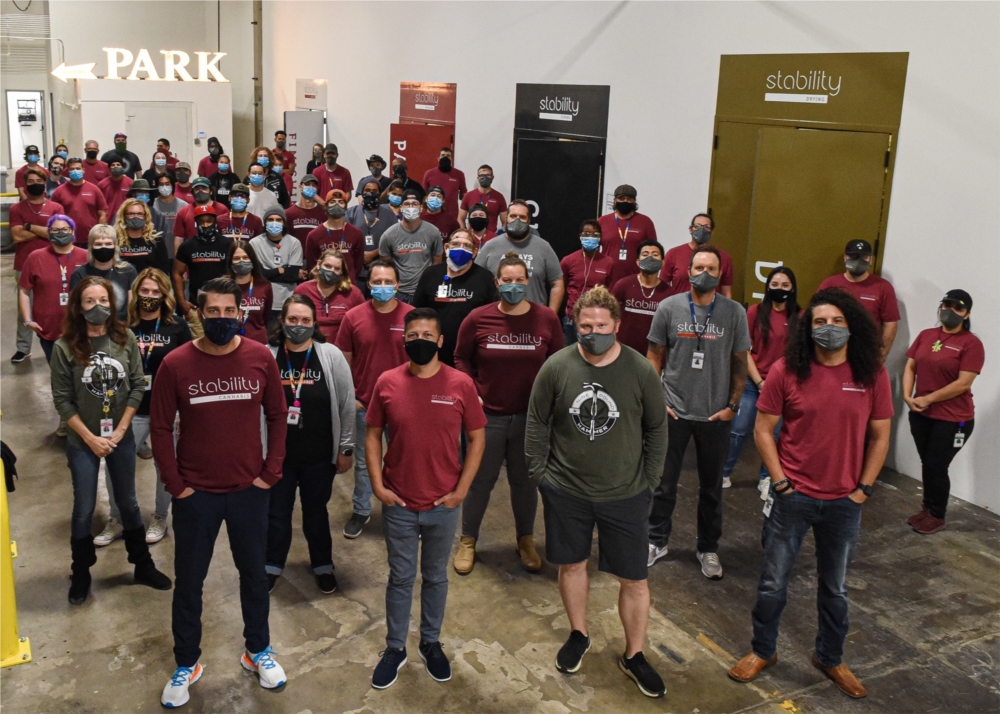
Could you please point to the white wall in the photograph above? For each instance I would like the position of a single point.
(662, 61)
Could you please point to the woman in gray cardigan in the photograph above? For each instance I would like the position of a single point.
(320, 441)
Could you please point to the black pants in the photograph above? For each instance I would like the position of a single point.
(47, 346)
(935, 440)
(197, 520)
(315, 483)
(711, 441)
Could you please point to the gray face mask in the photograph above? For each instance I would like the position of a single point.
(512, 293)
(596, 344)
(701, 235)
(704, 282)
(335, 210)
(136, 224)
(297, 334)
(831, 337)
(328, 276)
(650, 265)
(242, 267)
(857, 266)
(949, 318)
(97, 315)
(59, 238)
(517, 229)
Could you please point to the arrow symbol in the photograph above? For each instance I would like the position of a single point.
(77, 71)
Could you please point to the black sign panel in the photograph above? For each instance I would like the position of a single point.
(576, 110)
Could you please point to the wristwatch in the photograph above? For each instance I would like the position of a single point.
(867, 490)
(735, 407)
(348, 452)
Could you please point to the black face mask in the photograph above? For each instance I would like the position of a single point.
(102, 255)
(478, 223)
(370, 201)
(399, 172)
(279, 144)
(91, 154)
(202, 196)
(206, 234)
(35, 189)
(183, 176)
(444, 163)
(778, 295)
(624, 207)
(421, 351)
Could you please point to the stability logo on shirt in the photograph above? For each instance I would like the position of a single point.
(447, 292)
(852, 387)
(223, 390)
(313, 376)
(103, 375)
(594, 411)
(642, 307)
(444, 399)
(691, 331)
(524, 341)
(414, 247)
(208, 256)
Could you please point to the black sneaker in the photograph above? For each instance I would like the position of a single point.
(18, 357)
(327, 582)
(271, 581)
(388, 667)
(438, 666)
(571, 654)
(639, 670)
(354, 526)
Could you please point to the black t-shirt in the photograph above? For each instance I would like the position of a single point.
(121, 278)
(131, 163)
(142, 254)
(222, 185)
(454, 298)
(155, 343)
(204, 261)
(311, 441)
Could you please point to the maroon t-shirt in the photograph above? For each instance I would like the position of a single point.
(453, 183)
(443, 221)
(172, 161)
(219, 398)
(940, 357)
(330, 310)
(488, 235)
(242, 228)
(184, 193)
(677, 264)
(503, 353)
(94, 172)
(349, 239)
(41, 275)
(184, 227)
(82, 204)
(375, 342)
(624, 234)
(115, 193)
(583, 273)
(421, 464)
(638, 305)
(766, 355)
(207, 167)
(19, 180)
(303, 220)
(338, 178)
(494, 202)
(875, 293)
(22, 213)
(255, 308)
(821, 445)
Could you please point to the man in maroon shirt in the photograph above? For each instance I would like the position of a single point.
(450, 179)
(332, 176)
(286, 157)
(337, 233)
(184, 226)
(640, 295)
(831, 391)
(875, 292)
(219, 383)
(492, 201)
(677, 261)
(83, 201)
(237, 223)
(32, 156)
(583, 270)
(622, 231)
(421, 486)
(94, 170)
(115, 187)
(308, 213)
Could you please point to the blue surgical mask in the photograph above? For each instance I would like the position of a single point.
(32, 158)
(395, 200)
(144, 197)
(276, 169)
(238, 204)
(223, 167)
(309, 192)
(63, 154)
(459, 256)
(76, 175)
(434, 203)
(384, 293)
(160, 162)
(256, 179)
(274, 228)
(264, 161)
(590, 243)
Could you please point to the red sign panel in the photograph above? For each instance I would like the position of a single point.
(420, 145)
(427, 103)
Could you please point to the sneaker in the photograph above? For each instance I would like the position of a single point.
(62, 431)
(175, 694)
(354, 526)
(18, 357)
(112, 532)
(269, 672)
(272, 580)
(711, 568)
(157, 529)
(144, 452)
(435, 661)
(639, 670)
(929, 524)
(571, 654)
(327, 583)
(655, 553)
(727, 482)
(388, 667)
(917, 517)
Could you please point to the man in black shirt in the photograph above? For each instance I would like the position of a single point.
(399, 178)
(133, 167)
(203, 258)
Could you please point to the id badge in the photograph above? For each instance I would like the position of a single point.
(768, 504)
(697, 360)
(766, 491)
(107, 428)
(959, 440)
(277, 260)
(149, 382)
(63, 299)
(623, 254)
(294, 415)
(442, 290)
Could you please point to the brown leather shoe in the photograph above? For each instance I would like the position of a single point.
(529, 556)
(929, 524)
(843, 678)
(750, 666)
(466, 556)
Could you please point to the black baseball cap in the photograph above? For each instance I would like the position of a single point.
(410, 193)
(331, 148)
(959, 297)
(859, 247)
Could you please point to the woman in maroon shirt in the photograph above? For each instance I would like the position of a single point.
(331, 292)
(255, 308)
(943, 362)
(435, 214)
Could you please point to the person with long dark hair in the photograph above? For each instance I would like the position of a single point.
(942, 362)
(243, 266)
(97, 386)
(830, 390)
(769, 323)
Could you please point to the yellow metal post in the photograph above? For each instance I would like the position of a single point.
(13, 648)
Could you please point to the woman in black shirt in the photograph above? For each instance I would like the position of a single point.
(223, 181)
(138, 242)
(104, 261)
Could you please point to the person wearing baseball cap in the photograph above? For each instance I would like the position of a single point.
(338, 234)
(622, 231)
(32, 155)
(376, 165)
(331, 175)
(202, 257)
(238, 223)
(435, 212)
(308, 212)
(875, 292)
(184, 224)
(182, 189)
(115, 187)
(943, 362)
(131, 162)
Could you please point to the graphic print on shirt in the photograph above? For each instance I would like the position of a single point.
(444, 399)
(690, 331)
(414, 247)
(643, 307)
(505, 341)
(210, 255)
(446, 292)
(594, 411)
(103, 375)
(312, 376)
(223, 390)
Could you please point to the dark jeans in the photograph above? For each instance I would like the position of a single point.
(935, 441)
(47, 346)
(835, 526)
(569, 330)
(315, 483)
(711, 441)
(197, 520)
(84, 466)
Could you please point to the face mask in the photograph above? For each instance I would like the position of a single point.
(411, 213)
(238, 204)
(309, 192)
(280, 144)
(650, 265)
(60, 238)
(370, 201)
(90, 155)
(831, 337)
(144, 197)
(857, 266)
(434, 203)
(120, 147)
(517, 229)
(220, 330)
(335, 211)
(242, 267)
(421, 351)
(330, 160)
(56, 170)
(76, 175)
(102, 255)
(329, 277)
(150, 304)
(701, 235)
(624, 207)
(183, 176)
(595, 343)
(35, 189)
(395, 200)
(485, 181)
(384, 293)
(459, 257)
(949, 318)
(317, 154)
(376, 171)
(704, 282)
(478, 223)
(778, 295)
(135, 224)
(512, 293)
(202, 196)
(276, 169)
(160, 162)
(256, 179)
(590, 243)
(165, 190)
(206, 234)
(117, 171)
(214, 150)
(444, 163)
(274, 228)
(263, 161)
(298, 334)
(223, 168)
(97, 315)
(65, 154)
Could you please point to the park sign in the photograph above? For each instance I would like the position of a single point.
(175, 63)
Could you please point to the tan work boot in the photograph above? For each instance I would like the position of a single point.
(466, 556)
(529, 556)
(843, 678)
(749, 667)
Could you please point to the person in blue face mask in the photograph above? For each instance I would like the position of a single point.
(309, 212)
(280, 255)
(583, 270)
(273, 180)
(83, 201)
(434, 213)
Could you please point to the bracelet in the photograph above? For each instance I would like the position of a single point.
(757, 384)
(782, 482)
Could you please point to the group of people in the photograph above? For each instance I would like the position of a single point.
(417, 338)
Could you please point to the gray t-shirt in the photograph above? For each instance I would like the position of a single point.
(693, 393)
(412, 251)
(164, 216)
(543, 263)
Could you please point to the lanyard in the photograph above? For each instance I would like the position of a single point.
(246, 308)
(232, 223)
(586, 269)
(297, 389)
(694, 320)
(150, 345)
(368, 225)
(62, 270)
(341, 244)
(623, 234)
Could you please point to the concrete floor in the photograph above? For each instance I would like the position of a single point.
(924, 623)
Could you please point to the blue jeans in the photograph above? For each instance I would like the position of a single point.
(407, 534)
(362, 498)
(743, 424)
(84, 466)
(569, 330)
(835, 526)
(140, 431)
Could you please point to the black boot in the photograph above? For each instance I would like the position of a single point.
(84, 556)
(138, 554)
